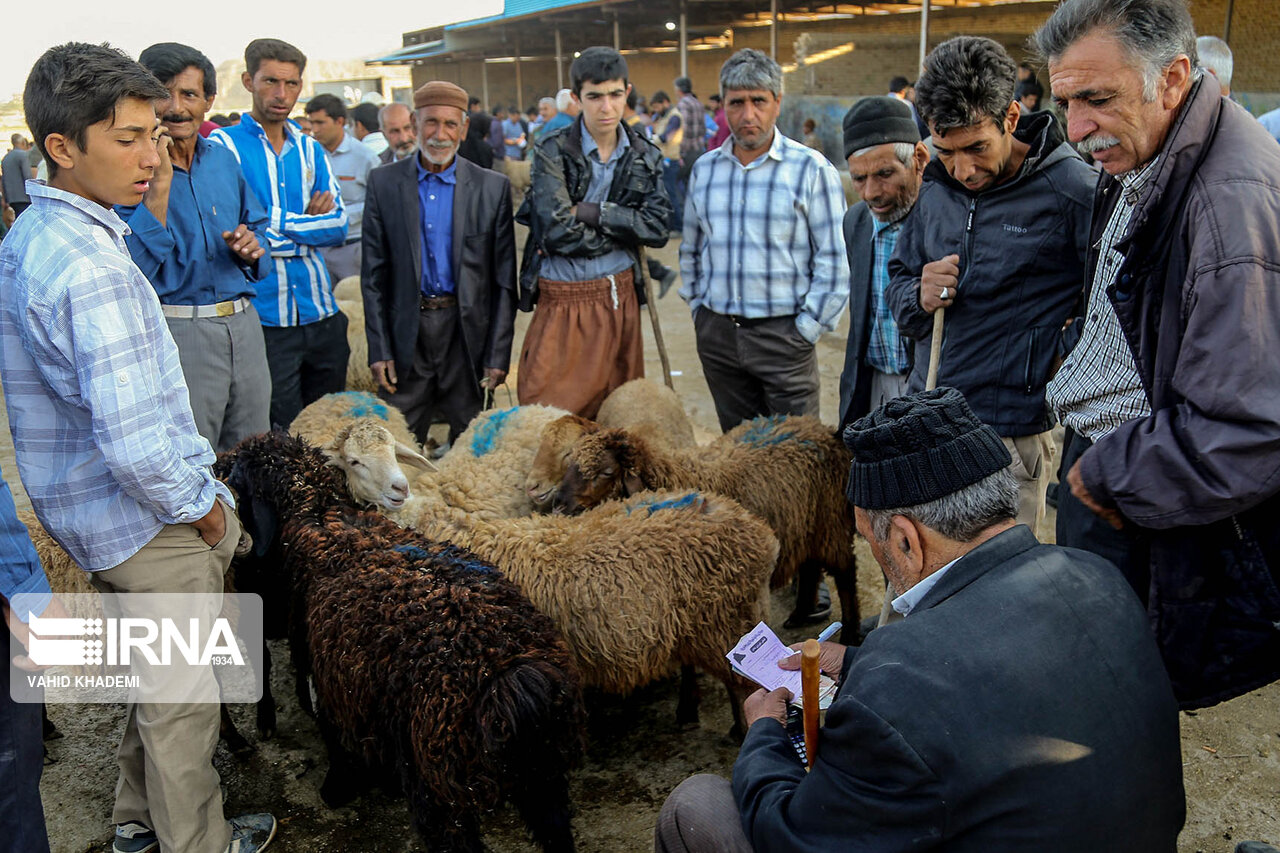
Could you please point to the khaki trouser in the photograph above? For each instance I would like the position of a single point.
(167, 780)
(1031, 466)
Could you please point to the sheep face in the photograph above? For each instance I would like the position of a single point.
(601, 467)
(552, 459)
(370, 457)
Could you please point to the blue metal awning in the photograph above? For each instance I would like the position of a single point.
(411, 53)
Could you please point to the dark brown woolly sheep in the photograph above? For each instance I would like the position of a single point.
(426, 662)
(789, 471)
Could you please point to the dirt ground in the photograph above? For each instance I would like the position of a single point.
(636, 753)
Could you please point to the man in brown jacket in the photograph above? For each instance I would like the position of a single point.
(1173, 456)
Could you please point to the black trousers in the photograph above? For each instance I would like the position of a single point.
(306, 362)
(21, 763)
(441, 385)
(756, 367)
(1079, 527)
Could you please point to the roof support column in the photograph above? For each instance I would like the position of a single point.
(1226, 28)
(924, 36)
(684, 41)
(773, 30)
(617, 34)
(484, 85)
(559, 62)
(519, 76)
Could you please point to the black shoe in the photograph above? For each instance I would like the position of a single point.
(1255, 847)
(666, 280)
(821, 610)
(1051, 495)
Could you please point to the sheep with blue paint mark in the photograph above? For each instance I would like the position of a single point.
(367, 439)
(639, 588)
(788, 470)
(484, 471)
(431, 671)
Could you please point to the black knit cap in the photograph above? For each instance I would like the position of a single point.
(919, 448)
(875, 121)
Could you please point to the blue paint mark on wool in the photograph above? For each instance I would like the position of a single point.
(764, 432)
(690, 500)
(457, 557)
(489, 431)
(413, 551)
(364, 405)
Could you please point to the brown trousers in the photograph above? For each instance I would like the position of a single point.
(584, 341)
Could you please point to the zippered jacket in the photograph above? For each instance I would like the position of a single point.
(1022, 248)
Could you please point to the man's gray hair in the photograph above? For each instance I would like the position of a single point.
(1216, 56)
(551, 101)
(904, 151)
(751, 69)
(1155, 32)
(961, 515)
(563, 98)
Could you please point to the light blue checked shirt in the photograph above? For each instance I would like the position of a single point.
(886, 351)
(296, 289)
(102, 427)
(765, 239)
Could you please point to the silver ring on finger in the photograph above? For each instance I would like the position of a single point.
(944, 295)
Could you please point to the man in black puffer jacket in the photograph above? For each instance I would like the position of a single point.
(998, 237)
(595, 198)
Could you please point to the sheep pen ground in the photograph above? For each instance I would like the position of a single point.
(636, 753)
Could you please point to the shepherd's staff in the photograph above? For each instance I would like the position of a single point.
(930, 382)
(809, 681)
(642, 262)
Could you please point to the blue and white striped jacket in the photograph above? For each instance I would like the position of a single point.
(296, 289)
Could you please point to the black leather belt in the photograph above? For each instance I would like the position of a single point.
(749, 322)
(435, 303)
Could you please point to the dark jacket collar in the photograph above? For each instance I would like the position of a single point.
(995, 551)
(1040, 131)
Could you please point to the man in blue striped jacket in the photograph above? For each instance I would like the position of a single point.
(305, 333)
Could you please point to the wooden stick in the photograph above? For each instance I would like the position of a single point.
(653, 317)
(809, 689)
(930, 382)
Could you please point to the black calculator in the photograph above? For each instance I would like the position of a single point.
(795, 731)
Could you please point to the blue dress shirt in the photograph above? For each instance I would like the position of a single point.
(435, 206)
(186, 260)
(20, 570)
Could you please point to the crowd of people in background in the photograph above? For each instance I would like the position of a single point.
(1107, 265)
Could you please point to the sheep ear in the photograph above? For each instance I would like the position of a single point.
(334, 446)
(631, 483)
(405, 453)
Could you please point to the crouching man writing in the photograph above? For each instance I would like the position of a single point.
(1020, 705)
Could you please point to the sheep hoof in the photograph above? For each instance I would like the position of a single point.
(336, 793)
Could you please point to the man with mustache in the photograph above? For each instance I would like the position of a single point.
(438, 274)
(998, 238)
(886, 162)
(198, 236)
(305, 333)
(1171, 396)
(401, 130)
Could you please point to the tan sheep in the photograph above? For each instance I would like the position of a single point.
(637, 587)
(368, 440)
(359, 376)
(790, 471)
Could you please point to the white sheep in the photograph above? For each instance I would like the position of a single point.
(367, 439)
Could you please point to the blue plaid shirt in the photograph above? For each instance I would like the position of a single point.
(886, 351)
(296, 289)
(102, 427)
(766, 239)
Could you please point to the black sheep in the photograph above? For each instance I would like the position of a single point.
(426, 661)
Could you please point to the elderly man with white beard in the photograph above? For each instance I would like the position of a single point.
(438, 275)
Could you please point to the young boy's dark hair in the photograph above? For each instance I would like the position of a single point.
(168, 59)
(331, 105)
(76, 85)
(280, 51)
(596, 65)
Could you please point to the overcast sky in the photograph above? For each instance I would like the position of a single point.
(322, 29)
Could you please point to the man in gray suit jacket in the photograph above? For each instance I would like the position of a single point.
(1021, 703)
(438, 275)
(886, 162)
